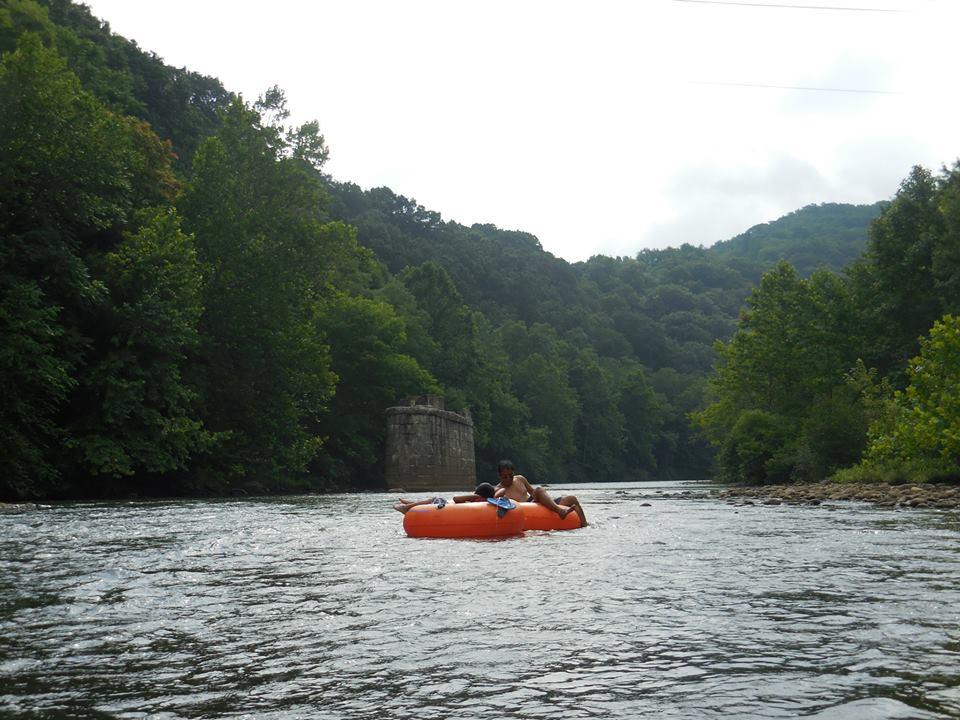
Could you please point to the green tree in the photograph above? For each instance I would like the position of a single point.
(831, 235)
(469, 362)
(35, 381)
(254, 204)
(85, 276)
(180, 106)
(543, 387)
(24, 16)
(599, 428)
(139, 415)
(455, 354)
(366, 338)
(643, 419)
(923, 421)
(789, 356)
(748, 453)
(898, 290)
(945, 265)
(539, 368)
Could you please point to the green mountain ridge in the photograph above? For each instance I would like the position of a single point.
(831, 235)
(582, 371)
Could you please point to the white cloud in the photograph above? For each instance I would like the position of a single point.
(734, 197)
(588, 124)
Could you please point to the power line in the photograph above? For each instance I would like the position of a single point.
(794, 87)
(792, 7)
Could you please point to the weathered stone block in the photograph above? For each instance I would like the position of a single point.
(428, 447)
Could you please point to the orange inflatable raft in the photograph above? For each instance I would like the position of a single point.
(462, 520)
(481, 520)
(538, 517)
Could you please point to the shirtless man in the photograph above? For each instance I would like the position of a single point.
(482, 492)
(519, 489)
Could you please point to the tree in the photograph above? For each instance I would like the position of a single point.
(469, 361)
(599, 428)
(788, 358)
(895, 283)
(945, 265)
(543, 387)
(643, 419)
(139, 415)
(453, 354)
(922, 422)
(539, 368)
(179, 105)
(35, 381)
(748, 453)
(830, 234)
(98, 283)
(254, 203)
(366, 338)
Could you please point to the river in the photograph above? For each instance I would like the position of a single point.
(320, 607)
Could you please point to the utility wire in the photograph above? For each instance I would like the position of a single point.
(792, 7)
(795, 87)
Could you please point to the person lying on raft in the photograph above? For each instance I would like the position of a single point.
(519, 489)
(480, 494)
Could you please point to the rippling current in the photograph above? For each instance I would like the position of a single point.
(320, 607)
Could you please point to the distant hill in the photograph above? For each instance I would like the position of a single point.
(663, 308)
(590, 369)
(831, 235)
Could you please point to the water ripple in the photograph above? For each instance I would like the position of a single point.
(322, 608)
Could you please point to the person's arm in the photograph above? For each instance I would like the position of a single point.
(466, 498)
(500, 493)
(526, 483)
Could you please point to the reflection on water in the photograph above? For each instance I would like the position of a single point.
(322, 608)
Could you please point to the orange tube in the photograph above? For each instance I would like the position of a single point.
(462, 520)
(539, 517)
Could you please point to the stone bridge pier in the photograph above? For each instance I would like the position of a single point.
(429, 447)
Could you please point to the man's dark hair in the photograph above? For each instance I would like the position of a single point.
(485, 490)
(504, 465)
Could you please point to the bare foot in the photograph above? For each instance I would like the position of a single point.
(402, 506)
(564, 511)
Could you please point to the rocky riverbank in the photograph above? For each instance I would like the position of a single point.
(933, 495)
(16, 507)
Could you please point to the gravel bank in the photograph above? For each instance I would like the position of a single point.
(932, 495)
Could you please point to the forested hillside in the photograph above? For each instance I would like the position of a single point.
(829, 235)
(852, 375)
(207, 311)
(663, 308)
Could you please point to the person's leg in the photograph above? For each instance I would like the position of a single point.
(404, 505)
(571, 500)
(541, 496)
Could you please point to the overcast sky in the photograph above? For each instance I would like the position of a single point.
(600, 127)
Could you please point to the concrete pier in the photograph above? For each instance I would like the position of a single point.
(429, 447)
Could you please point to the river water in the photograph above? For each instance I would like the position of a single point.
(320, 607)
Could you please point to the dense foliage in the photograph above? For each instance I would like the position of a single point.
(820, 370)
(179, 105)
(188, 304)
(829, 235)
(922, 422)
(100, 287)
